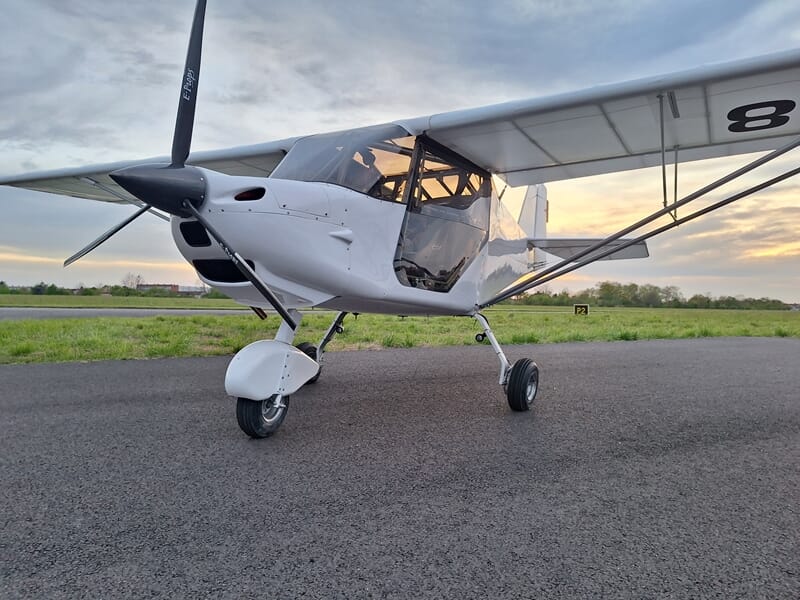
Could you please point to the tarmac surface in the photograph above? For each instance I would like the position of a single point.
(645, 470)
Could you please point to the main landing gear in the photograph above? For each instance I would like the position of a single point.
(263, 375)
(521, 381)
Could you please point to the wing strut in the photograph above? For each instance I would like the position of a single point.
(674, 213)
(673, 105)
(563, 267)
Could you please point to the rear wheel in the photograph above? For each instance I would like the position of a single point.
(523, 383)
(261, 418)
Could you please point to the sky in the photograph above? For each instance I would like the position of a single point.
(88, 82)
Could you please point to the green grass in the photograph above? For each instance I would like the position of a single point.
(31, 301)
(55, 340)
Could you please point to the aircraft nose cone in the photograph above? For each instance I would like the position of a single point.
(163, 186)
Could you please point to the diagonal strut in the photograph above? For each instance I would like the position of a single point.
(243, 267)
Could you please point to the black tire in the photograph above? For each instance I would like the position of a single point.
(260, 418)
(310, 350)
(523, 383)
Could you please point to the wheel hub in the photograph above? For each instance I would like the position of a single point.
(530, 391)
(271, 409)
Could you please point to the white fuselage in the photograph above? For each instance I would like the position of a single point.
(319, 244)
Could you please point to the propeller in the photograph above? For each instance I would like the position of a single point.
(178, 189)
(159, 185)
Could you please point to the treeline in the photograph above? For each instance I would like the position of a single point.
(609, 293)
(50, 289)
(40, 289)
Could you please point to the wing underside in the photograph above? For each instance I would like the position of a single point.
(708, 112)
(92, 182)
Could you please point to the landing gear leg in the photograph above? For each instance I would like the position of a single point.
(521, 382)
(336, 327)
(285, 333)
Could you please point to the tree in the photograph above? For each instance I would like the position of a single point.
(132, 281)
(672, 296)
(609, 293)
(54, 290)
(699, 301)
(650, 295)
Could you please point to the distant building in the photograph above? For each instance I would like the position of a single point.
(173, 288)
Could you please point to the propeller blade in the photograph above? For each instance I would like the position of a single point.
(243, 267)
(88, 248)
(184, 123)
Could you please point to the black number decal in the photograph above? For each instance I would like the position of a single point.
(743, 120)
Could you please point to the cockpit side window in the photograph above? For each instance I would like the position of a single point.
(445, 188)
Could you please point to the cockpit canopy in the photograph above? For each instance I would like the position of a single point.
(374, 160)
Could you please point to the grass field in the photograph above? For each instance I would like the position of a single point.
(55, 340)
(32, 301)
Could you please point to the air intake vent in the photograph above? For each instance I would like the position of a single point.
(221, 270)
(195, 234)
(252, 194)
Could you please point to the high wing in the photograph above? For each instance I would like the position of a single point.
(710, 111)
(93, 182)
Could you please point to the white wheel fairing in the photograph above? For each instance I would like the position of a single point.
(266, 368)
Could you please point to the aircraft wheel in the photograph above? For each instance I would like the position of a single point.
(523, 383)
(261, 418)
(310, 350)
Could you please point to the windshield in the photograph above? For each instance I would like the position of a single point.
(373, 161)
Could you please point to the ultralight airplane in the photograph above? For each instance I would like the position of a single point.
(406, 218)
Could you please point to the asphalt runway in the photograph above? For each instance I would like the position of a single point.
(646, 470)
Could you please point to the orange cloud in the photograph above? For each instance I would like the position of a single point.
(20, 257)
(782, 250)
